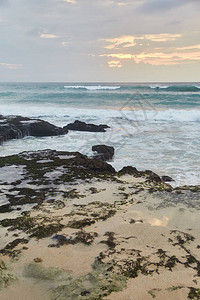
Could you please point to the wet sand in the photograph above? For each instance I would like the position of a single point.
(141, 244)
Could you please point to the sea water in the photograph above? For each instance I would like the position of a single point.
(152, 126)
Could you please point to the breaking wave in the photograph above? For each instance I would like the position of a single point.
(92, 87)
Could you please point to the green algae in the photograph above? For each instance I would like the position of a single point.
(6, 277)
(9, 248)
(90, 213)
(34, 226)
(194, 293)
(39, 272)
(63, 285)
(78, 224)
(153, 292)
(174, 288)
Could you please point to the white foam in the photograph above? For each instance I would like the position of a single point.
(155, 86)
(172, 115)
(92, 87)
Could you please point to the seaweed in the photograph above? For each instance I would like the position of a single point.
(6, 277)
(194, 293)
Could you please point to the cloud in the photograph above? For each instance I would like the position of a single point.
(64, 44)
(159, 55)
(131, 40)
(70, 1)
(114, 64)
(194, 47)
(152, 49)
(4, 2)
(11, 66)
(119, 55)
(154, 6)
(48, 36)
(118, 2)
(161, 58)
(114, 28)
(164, 37)
(122, 41)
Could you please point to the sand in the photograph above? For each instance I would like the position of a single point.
(151, 238)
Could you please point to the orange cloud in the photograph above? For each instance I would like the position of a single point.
(189, 47)
(150, 54)
(157, 58)
(164, 37)
(127, 41)
(122, 41)
(114, 64)
(160, 58)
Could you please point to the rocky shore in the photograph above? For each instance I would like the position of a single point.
(71, 227)
(17, 127)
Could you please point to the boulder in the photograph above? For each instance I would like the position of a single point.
(82, 126)
(150, 176)
(167, 178)
(104, 152)
(42, 128)
(16, 127)
(130, 171)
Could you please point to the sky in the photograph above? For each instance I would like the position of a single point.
(100, 40)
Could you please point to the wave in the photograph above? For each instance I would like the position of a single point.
(184, 88)
(163, 88)
(169, 115)
(156, 86)
(92, 87)
(176, 88)
(6, 94)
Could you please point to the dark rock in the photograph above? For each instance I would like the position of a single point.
(167, 178)
(1, 139)
(16, 127)
(130, 170)
(151, 176)
(42, 128)
(5, 208)
(92, 164)
(104, 152)
(82, 126)
(39, 167)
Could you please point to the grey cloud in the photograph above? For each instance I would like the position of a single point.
(4, 3)
(81, 26)
(153, 6)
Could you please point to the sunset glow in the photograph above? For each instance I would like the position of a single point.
(108, 40)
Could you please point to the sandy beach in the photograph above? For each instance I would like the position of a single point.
(116, 236)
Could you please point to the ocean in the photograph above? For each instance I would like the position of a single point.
(152, 126)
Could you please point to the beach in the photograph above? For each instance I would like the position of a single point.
(99, 150)
(100, 192)
(87, 232)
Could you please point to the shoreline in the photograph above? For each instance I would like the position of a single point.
(93, 233)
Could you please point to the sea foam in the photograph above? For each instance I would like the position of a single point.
(91, 87)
